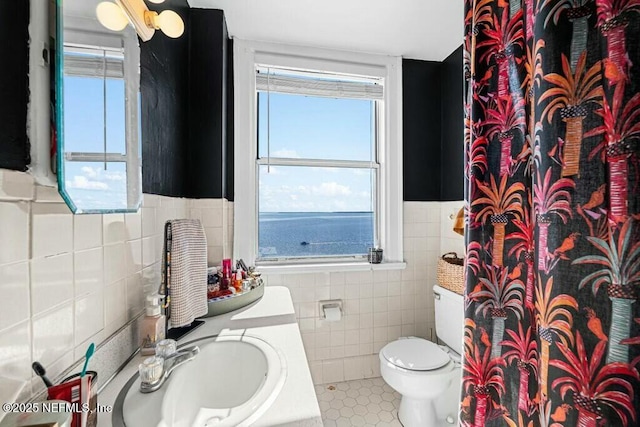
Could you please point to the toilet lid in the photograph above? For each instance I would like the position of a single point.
(415, 354)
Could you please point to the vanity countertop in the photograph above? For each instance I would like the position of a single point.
(273, 319)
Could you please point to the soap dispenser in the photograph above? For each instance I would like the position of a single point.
(153, 324)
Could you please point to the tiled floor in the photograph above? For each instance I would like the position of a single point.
(367, 403)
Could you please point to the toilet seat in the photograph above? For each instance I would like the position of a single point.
(415, 354)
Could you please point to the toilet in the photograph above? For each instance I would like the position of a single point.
(427, 375)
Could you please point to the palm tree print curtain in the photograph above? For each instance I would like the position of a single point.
(552, 329)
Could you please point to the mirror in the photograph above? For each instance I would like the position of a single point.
(97, 79)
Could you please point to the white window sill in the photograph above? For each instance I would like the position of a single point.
(329, 267)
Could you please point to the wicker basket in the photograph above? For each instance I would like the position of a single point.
(451, 272)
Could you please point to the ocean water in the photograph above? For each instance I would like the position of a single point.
(312, 234)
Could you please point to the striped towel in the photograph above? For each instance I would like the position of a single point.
(185, 270)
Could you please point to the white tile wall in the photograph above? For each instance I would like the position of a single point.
(13, 227)
(88, 271)
(87, 232)
(68, 280)
(51, 229)
(14, 303)
(15, 349)
(51, 281)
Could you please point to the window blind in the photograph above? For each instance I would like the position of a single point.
(93, 66)
(295, 85)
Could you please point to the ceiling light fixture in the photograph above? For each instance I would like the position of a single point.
(116, 16)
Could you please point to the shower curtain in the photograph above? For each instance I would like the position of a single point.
(552, 138)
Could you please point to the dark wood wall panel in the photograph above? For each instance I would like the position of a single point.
(230, 124)
(164, 117)
(184, 84)
(421, 134)
(14, 85)
(452, 154)
(207, 103)
(433, 129)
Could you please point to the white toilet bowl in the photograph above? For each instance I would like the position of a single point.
(421, 372)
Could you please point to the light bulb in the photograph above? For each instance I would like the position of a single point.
(170, 23)
(111, 16)
(156, 1)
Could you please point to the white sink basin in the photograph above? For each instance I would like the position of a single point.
(232, 382)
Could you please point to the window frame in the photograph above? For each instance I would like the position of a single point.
(372, 165)
(388, 198)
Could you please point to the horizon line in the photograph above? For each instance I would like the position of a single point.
(299, 212)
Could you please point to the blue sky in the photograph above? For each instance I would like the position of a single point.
(316, 128)
(89, 184)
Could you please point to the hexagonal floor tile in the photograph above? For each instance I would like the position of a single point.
(364, 391)
(371, 418)
(339, 394)
(388, 397)
(363, 400)
(385, 416)
(358, 420)
(332, 414)
(375, 398)
(337, 404)
(347, 412)
(373, 408)
(368, 402)
(387, 406)
(349, 402)
(360, 410)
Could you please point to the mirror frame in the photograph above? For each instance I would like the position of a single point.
(132, 113)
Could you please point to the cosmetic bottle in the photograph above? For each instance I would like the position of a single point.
(226, 280)
(237, 283)
(153, 324)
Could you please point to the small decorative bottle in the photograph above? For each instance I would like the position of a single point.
(237, 282)
(153, 325)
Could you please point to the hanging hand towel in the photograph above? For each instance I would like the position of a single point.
(185, 270)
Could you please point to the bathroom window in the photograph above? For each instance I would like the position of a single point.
(315, 180)
(318, 131)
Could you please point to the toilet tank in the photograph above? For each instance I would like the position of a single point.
(449, 308)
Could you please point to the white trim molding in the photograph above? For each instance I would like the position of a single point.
(249, 54)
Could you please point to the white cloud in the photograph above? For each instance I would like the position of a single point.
(323, 197)
(101, 174)
(81, 182)
(114, 175)
(89, 172)
(302, 189)
(331, 189)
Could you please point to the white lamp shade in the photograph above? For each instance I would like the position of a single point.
(170, 23)
(111, 16)
(156, 1)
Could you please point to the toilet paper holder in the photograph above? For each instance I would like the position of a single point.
(332, 303)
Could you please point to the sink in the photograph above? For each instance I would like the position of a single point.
(232, 382)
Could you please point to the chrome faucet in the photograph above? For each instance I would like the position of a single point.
(156, 370)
